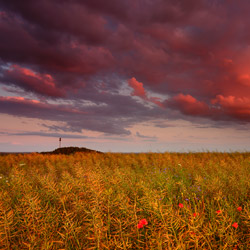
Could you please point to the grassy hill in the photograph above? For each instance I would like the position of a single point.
(71, 150)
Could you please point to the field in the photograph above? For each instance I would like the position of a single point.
(125, 201)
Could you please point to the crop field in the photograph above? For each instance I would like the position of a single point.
(125, 201)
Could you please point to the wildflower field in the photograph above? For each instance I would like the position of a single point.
(125, 201)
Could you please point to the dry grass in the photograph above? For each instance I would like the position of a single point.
(95, 201)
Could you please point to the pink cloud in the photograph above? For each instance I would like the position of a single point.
(188, 50)
(30, 80)
(138, 88)
(188, 105)
(3, 14)
(238, 107)
(19, 99)
(244, 79)
(42, 105)
(177, 38)
(156, 101)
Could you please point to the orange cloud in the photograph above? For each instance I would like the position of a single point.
(137, 87)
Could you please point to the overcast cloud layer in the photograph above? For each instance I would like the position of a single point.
(106, 66)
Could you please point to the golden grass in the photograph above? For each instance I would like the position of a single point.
(95, 201)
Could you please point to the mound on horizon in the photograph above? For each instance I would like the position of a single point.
(71, 150)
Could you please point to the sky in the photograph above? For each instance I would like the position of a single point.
(125, 75)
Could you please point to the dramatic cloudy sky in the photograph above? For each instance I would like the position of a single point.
(125, 75)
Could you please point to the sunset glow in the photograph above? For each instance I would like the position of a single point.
(125, 75)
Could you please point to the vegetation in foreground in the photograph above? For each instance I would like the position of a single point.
(125, 201)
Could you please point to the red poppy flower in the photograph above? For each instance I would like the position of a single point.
(139, 226)
(235, 224)
(195, 214)
(181, 205)
(142, 223)
(218, 211)
(239, 208)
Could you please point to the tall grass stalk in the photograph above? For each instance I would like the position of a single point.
(95, 201)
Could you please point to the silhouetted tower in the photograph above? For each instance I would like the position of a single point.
(60, 140)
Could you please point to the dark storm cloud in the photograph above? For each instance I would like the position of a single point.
(112, 59)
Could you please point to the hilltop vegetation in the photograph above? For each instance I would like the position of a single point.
(125, 201)
(71, 150)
